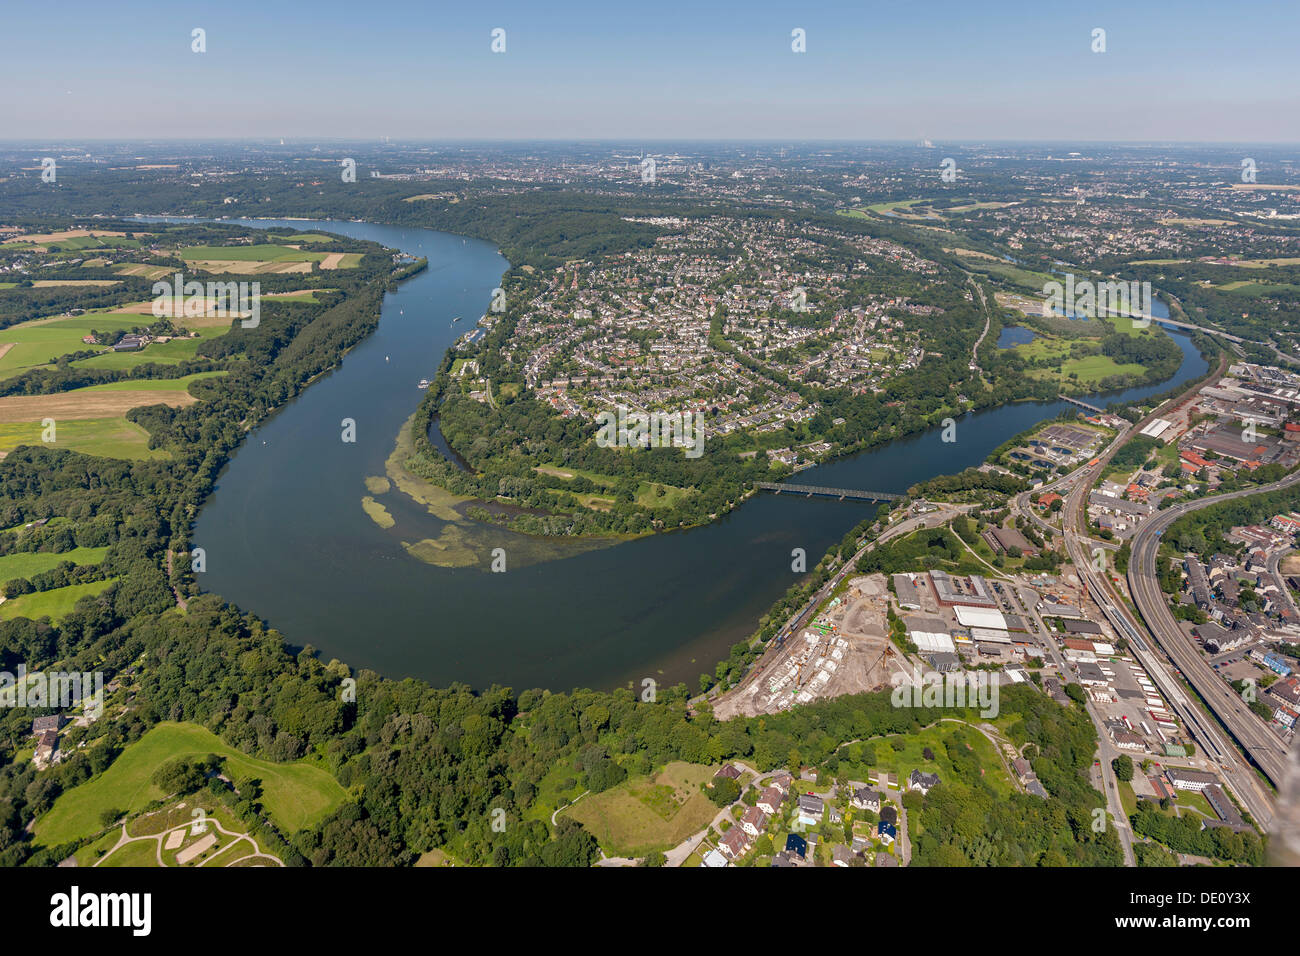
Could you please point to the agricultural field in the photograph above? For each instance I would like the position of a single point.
(648, 813)
(142, 269)
(74, 240)
(92, 420)
(307, 237)
(181, 384)
(41, 341)
(54, 604)
(113, 437)
(164, 353)
(295, 795)
(96, 401)
(264, 258)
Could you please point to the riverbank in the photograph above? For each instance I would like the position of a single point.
(564, 613)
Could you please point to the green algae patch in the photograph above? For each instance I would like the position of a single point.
(378, 513)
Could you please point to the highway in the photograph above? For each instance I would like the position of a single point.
(1217, 750)
(1263, 747)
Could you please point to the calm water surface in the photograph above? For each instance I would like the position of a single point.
(287, 539)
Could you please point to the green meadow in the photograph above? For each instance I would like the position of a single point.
(181, 384)
(110, 437)
(41, 341)
(164, 353)
(295, 795)
(53, 604)
(24, 564)
(307, 237)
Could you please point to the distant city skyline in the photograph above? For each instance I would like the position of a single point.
(999, 72)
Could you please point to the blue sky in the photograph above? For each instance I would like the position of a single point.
(617, 69)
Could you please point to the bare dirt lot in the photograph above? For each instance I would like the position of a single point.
(71, 406)
(248, 267)
(213, 317)
(846, 651)
(66, 234)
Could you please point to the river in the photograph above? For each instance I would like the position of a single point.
(286, 537)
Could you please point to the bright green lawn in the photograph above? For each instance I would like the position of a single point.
(167, 353)
(52, 604)
(151, 384)
(307, 237)
(112, 437)
(24, 564)
(295, 795)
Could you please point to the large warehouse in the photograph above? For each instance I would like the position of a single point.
(929, 635)
(989, 617)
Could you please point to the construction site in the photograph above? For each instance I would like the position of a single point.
(845, 650)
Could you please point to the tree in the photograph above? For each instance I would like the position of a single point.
(178, 776)
(1123, 767)
(724, 791)
(108, 816)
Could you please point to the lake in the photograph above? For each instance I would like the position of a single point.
(287, 539)
(1013, 335)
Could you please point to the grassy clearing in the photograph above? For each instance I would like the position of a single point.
(112, 437)
(901, 754)
(648, 813)
(24, 564)
(164, 353)
(307, 237)
(53, 604)
(1025, 278)
(1256, 288)
(295, 795)
(181, 384)
(1091, 369)
(137, 854)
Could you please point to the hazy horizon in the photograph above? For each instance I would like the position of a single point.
(1009, 71)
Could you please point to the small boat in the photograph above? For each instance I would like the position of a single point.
(424, 383)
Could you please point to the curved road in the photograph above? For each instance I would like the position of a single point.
(1259, 742)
